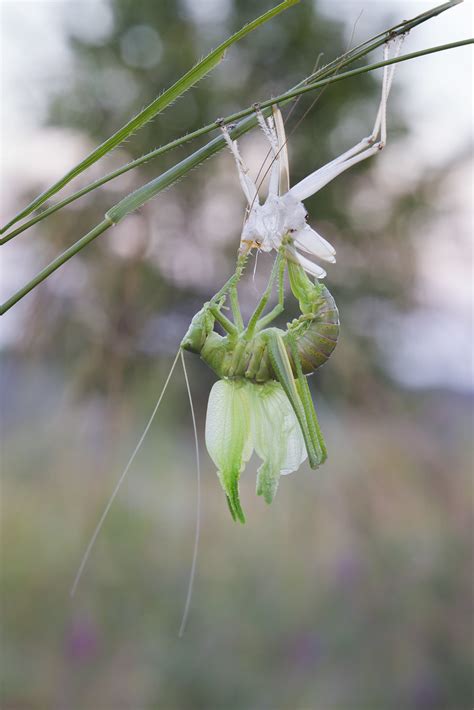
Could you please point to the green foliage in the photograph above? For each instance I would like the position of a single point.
(156, 106)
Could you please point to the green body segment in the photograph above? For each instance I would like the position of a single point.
(271, 353)
(282, 421)
(315, 335)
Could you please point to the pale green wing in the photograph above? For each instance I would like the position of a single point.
(228, 436)
(277, 437)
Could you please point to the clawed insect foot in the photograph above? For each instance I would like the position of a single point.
(246, 247)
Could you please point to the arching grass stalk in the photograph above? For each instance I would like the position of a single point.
(138, 198)
(329, 69)
(188, 80)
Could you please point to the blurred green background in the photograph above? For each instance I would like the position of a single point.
(353, 590)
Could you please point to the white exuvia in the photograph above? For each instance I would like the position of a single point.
(283, 214)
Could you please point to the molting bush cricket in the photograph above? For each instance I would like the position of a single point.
(262, 401)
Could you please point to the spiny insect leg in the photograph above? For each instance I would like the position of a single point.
(305, 396)
(268, 128)
(230, 287)
(248, 186)
(279, 308)
(252, 324)
(361, 151)
(234, 302)
(232, 281)
(227, 324)
(255, 361)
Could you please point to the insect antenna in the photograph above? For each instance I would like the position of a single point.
(197, 533)
(321, 92)
(287, 118)
(305, 114)
(98, 528)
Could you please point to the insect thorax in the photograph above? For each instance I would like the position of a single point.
(269, 223)
(315, 333)
(233, 357)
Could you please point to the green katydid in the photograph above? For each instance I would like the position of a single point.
(263, 389)
(250, 357)
(262, 399)
(267, 366)
(263, 370)
(137, 198)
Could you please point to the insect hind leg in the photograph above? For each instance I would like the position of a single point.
(279, 308)
(248, 186)
(269, 130)
(365, 148)
(254, 320)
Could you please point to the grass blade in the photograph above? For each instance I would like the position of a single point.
(329, 69)
(161, 102)
(146, 192)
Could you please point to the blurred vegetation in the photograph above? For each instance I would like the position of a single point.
(353, 590)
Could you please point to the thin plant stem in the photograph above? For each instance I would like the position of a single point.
(188, 80)
(282, 99)
(56, 263)
(140, 196)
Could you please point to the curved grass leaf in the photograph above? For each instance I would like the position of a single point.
(161, 102)
(146, 192)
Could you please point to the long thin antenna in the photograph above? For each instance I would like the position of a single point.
(287, 118)
(306, 112)
(197, 533)
(119, 482)
(318, 96)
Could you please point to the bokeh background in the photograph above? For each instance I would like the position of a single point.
(353, 590)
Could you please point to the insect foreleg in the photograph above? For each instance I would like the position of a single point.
(203, 322)
(367, 147)
(278, 309)
(252, 324)
(248, 186)
(232, 281)
(234, 303)
(227, 324)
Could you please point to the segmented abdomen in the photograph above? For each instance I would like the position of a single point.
(316, 336)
